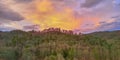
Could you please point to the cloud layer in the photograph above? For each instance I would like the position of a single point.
(23, 1)
(91, 3)
(8, 14)
(77, 15)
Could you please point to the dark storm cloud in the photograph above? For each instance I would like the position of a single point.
(23, 1)
(8, 14)
(90, 3)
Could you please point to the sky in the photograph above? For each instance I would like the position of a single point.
(84, 16)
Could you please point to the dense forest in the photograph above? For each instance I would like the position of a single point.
(54, 44)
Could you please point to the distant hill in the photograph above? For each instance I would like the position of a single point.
(107, 34)
(57, 44)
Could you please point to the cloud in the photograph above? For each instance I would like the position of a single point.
(23, 1)
(8, 14)
(6, 28)
(31, 27)
(0, 23)
(61, 13)
(47, 15)
(91, 3)
(79, 15)
(117, 16)
(109, 26)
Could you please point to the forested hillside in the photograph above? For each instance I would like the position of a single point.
(57, 45)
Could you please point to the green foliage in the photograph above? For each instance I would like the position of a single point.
(20, 45)
(8, 54)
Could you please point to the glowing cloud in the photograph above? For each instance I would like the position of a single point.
(47, 16)
(77, 15)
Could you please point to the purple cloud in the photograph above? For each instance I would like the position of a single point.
(23, 1)
(8, 14)
(31, 27)
(91, 3)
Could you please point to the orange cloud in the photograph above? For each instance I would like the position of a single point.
(44, 6)
(47, 16)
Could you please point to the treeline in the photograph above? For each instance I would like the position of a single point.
(56, 44)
